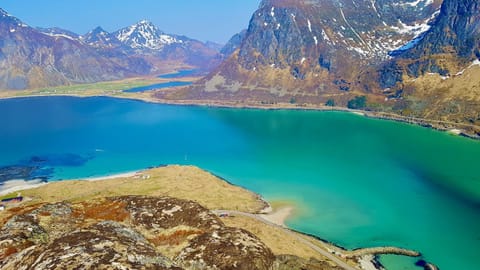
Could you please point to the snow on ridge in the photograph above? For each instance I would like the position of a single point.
(145, 34)
(416, 3)
(309, 26)
(57, 35)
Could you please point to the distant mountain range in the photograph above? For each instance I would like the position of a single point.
(38, 57)
(416, 58)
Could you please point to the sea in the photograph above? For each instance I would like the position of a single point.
(354, 181)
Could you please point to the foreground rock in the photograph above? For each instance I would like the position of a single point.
(132, 232)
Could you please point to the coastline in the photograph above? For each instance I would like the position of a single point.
(274, 213)
(452, 128)
(16, 185)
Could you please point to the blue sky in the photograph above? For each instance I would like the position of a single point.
(214, 20)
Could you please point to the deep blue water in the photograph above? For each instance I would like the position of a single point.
(357, 182)
(157, 86)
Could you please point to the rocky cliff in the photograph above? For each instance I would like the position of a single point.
(438, 76)
(133, 232)
(384, 55)
(311, 49)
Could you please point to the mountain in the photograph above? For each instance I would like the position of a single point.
(312, 48)
(144, 38)
(99, 38)
(31, 58)
(233, 44)
(41, 57)
(58, 32)
(439, 77)
(333, 51)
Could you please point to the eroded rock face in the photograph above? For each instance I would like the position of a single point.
(226, 248)
(105, 245)
(128, 232)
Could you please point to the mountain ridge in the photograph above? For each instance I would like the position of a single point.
(331, 52)
(44, 57)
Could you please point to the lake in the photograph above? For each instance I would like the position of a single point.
(356, 182)
(180, 74)
(157, 86)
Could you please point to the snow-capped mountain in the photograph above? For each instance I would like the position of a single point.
(417, 58)
(145, 35)
(100, 38)
(33, 58)
(39, 57)
(58, 32)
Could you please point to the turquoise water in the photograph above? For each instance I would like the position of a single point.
(157, 86)
(357, 182)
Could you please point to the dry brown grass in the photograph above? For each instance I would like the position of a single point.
(276, 238)
(183, 182)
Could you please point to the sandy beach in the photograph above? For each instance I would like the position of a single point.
(278, 216)
(113, 176)
(18, 185)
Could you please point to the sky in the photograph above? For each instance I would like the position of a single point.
(206, 20)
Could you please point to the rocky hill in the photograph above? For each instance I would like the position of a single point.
(34, 58)
(94, 225)
(309, 49)
(334, 51)
(438, 77)
(129, 232)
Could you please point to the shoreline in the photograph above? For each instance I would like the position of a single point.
(452, 128)
(278, 215)
(16, 185)
(275, 213)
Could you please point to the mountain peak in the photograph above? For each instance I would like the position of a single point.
(144, 22)
(98, 29)
(145, 35)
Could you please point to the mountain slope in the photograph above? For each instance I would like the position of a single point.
(145, 39)
(312, 49)
(30, 58)
(33, 58)
(439, 78)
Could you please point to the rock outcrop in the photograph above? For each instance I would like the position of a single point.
(129, 232)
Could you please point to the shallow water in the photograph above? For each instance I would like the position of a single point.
(357, 182)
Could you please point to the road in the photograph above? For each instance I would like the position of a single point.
(323, 252)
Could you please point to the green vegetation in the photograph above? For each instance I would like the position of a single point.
(359, 102)
(110, 88)
(330, 103)
(8, 196)
(293, 100)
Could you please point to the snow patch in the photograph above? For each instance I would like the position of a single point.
(309, 26)
(272, 12)
(316, 40)
(324, 35)
(12, 30)
(303, 60)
